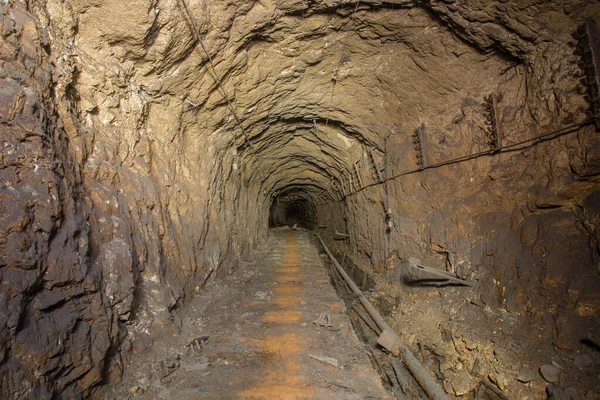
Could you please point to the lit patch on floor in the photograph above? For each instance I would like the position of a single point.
(287, 301)
(282, 317)
(277, 391)
(285, 345)
(288, 270)
(282, 381)
(289, 278)
(285, 290)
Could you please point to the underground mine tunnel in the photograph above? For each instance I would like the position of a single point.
(169, 168)
(292, 207)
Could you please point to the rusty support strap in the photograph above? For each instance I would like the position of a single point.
(429, 385)
(589, 44)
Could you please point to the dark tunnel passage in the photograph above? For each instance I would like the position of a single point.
(292, 208)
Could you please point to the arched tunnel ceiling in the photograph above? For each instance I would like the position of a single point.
(313, 82)
(304, 89)
(315, 154)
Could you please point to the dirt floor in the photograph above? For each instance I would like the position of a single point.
(275, 329)
(286, 326)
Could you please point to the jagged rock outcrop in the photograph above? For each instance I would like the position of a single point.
(57, 332)
(140, 160)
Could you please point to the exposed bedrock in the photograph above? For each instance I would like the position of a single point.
(140, 160)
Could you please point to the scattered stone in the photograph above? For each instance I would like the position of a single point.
(550, 373)
(446, 335)
(462, 383)
(499, 380)
(444, 366)
(557, 365)
(202, 365)
(469, 344)
(526, 375)
(165, 394)
(58, 237)
(142, 342)
(583, 361)
(389, 341)
(327, 360)
(499, 353)
(197, 344)
(477, 370)
(168, 366)
(555, 392)
(262, 295)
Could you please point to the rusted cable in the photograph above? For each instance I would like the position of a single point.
(429, 385)
(212, 65)
(504, 149)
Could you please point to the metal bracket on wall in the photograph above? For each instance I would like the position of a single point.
(375, 165)
(389, 222)
(343, 184)
(494, 138)
(338, 190)
(358, 176)
(418, 142)
(350, 180)
(235, 159)
(365, 169)
(589, 46)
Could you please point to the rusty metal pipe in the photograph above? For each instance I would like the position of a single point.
(429, 385)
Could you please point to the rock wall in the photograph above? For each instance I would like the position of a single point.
(520, 225)
(57, 332)
(106, 228)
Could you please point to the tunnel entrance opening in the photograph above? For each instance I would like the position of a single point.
(292, 208)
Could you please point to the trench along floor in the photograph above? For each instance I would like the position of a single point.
(257, 339)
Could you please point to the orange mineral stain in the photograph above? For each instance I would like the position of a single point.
(289, 278)
(282, 317)
(288, 270)
(283, 380)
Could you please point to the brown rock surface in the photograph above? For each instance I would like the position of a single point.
(131, 175)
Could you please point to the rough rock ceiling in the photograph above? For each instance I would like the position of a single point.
(348, 73)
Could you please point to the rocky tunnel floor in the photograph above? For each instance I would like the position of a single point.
(274, 329)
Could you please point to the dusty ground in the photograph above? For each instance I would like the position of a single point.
(256, 339)
(257, 334)
(497, 353)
